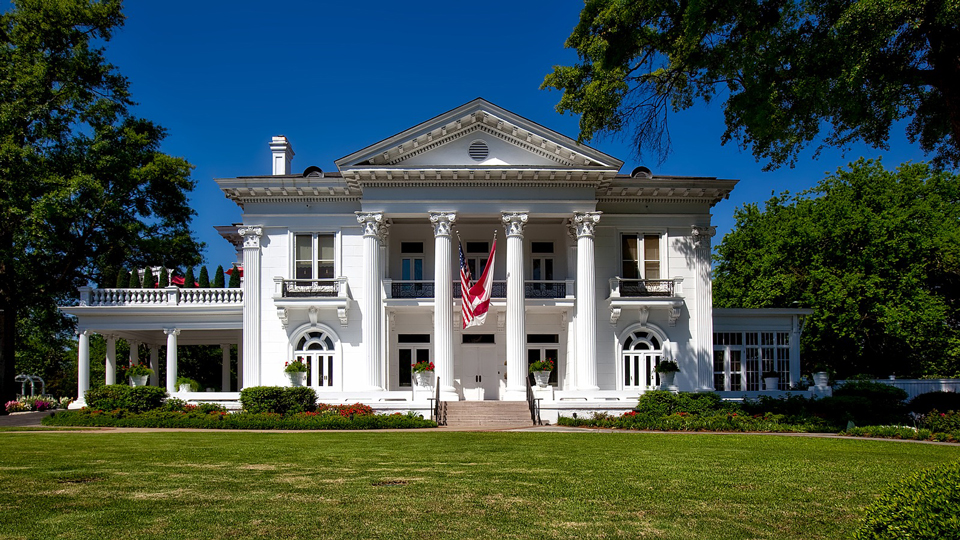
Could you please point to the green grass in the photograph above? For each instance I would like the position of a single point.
(443, 485)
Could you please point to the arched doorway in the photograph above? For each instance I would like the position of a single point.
(641, 352)
(317, 349)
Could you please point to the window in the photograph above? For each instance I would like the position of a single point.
(412, 348)
(314, 256)
(640, 256)
(411, 263)
(476, 256)
(544, 347)
(740, 358)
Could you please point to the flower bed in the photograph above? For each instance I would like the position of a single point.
(330, 419)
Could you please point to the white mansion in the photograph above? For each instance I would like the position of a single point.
(357, 272)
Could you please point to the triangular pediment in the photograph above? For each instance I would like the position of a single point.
(478, 135)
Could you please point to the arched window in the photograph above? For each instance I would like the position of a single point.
(316, 349)
(642, 351)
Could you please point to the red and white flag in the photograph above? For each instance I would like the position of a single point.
(475, 299)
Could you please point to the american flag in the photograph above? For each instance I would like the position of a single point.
(476, 299)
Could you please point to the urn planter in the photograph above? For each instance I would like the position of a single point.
(423, 378)
(297, 378)
(667, 380)
(542, 378)
(821, 378)
(771, 383)
(139, 380)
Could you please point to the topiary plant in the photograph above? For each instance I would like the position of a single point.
(189, 281)
(204, 280)
(925, 506)
(134, 279)
(123, 279)
(149, 282)
(218, 279)
(164, 277)
(939, 400)
(235, 278)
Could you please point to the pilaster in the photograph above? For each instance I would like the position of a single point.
(703, 343)
(251, 304)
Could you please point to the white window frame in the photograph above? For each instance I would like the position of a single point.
(662, 245)
(314, 246)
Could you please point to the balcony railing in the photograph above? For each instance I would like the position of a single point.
(427, 289)
(643, 288)
(168, 296)
(312, 288)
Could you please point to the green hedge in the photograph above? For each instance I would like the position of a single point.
(925, 506)
(941, 401)
(243, 420)
(681, 421)
(278, 399)
(120, 396)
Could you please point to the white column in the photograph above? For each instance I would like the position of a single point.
(443, 300)
(251, 303)
(586, 359)
(240, 365)
(134, 353)
(172, 334)
(83, 367)
(704, 311)
(155, 364)
(516, 318)
(372, 305)
(110, 363)
(225, 367)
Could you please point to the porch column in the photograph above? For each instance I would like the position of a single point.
(704, 312)
(586, 329)
(155, 364)
(83, 366)
(172, 334)
(516, 317)
(110, 364)
(240, 366)
(225, 367)
(251, 303)
(371, 307)
(134, 353)
(443, 299)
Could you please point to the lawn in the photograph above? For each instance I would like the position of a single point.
(443, 485)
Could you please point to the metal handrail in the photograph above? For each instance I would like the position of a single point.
(439, 409)
(646, 287)
(534, 403)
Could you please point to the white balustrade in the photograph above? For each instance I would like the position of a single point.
(160, 297)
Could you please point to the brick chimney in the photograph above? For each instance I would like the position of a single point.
(282, 154)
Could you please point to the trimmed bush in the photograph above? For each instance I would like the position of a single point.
(657, 403)
(204, 280)
(924, 506)
(149, 282)
(125, 398)
(941, 401)
(189, 280)
(243, 420)
(146, 398)
(164, 277)
(867, 403)
(278, 399)
(218, 279)
(234, 278)
(123, 279)
(135, 279)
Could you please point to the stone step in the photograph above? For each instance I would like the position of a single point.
(487, 413)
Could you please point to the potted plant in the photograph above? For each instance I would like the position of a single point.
(541, 372)
(186, 384)
(423, 373)
(771, 380)
(667, 369)
(296, 371)
(138, 374)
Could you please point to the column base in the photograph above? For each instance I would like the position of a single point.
(592, 388)
(78, 404)
(513, 394)
(449, 395)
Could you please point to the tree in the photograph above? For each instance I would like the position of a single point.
(123, 278)
(189, 281)
(149, 282)
(218, 279)
(135, 281)
(83, 184)
(204, 279)
(875, 253)
(234, 278)
(786, 69)
(164, 277)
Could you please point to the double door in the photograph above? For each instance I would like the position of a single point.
(480, 372)
(638, 370)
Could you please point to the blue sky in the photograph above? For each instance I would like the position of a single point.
(334, 77)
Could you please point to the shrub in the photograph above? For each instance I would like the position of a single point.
(277, 399)
(194, 385)
(942, 401)
(924, 506)
(797, 408)
(218, 280)
(243, 420)
(146, 398)
(204, 280)
(108, 397)
(657, 403)
(944, 422)
(869, 402)
(357, 409)
(16, 406)
(174, 405)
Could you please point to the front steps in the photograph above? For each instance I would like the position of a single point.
(485, 414)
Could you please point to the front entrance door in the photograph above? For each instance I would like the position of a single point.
(481, 372)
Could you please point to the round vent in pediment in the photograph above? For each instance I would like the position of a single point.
(641, 172)
(478, 150)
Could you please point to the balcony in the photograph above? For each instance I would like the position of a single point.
(168, 296)
(646, 294)
(311, 288)
(425, 289)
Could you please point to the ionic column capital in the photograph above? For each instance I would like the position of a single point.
(442, 222)
(586, 222)
(251, 236)
(701, 233)
(171, 331)
(513, 222)
(373, 223)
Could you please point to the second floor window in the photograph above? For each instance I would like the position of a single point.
(314, 256)
(640, 256)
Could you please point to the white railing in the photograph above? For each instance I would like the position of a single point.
(169, 296)
(915, 387)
